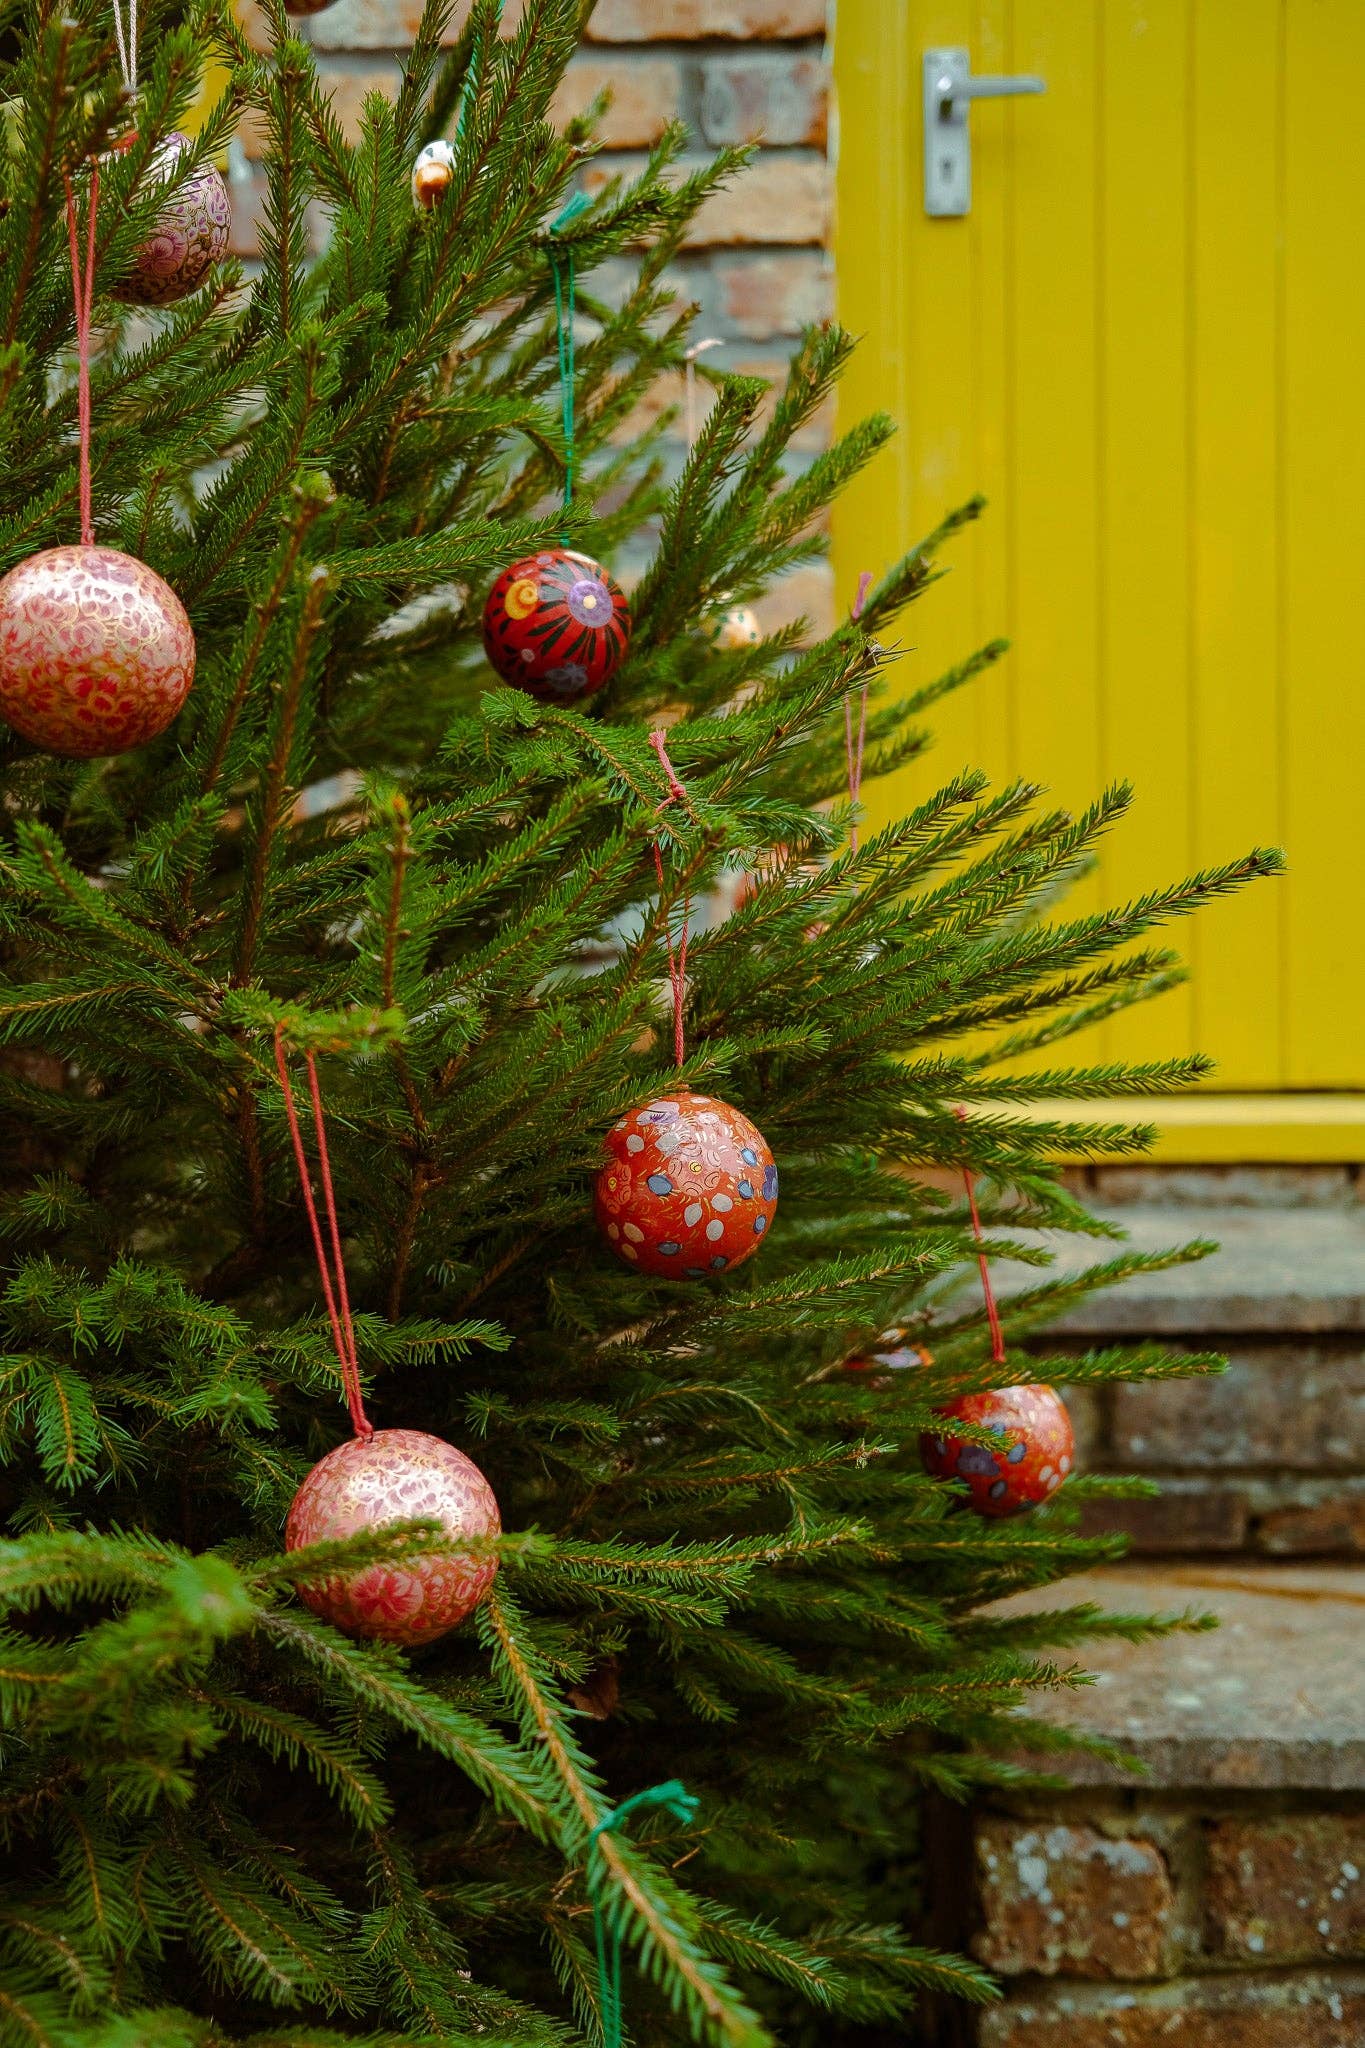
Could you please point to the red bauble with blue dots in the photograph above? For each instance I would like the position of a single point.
(687, 1188)
(556, 625)
(1037, 1448)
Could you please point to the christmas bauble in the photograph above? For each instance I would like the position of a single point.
(190, 236)
(895, 1356)
(307, 6)
(1035, 1454)
(735, 626)
(432, 175)
(397, 1475)
(96, 653)
(688, 1187)
(556, 624)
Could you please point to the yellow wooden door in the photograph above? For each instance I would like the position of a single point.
(1146, 345)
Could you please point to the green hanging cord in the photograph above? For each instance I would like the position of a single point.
(675, 1797)
(562, 270)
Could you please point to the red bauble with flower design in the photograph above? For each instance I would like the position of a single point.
(96, 653)
(1035, 1455)
(688, 1187)
(556, 625)
(397, 1475)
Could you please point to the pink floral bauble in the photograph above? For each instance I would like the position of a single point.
(96, 653)
(397, 1475)
(190, 236)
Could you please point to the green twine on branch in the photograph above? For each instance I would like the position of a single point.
(562, 270)
(475, 57)
(677, 1800)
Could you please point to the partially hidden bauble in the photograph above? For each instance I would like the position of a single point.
(556, 625)
(433, 174)
(687, 1188)
(190, 236)
(894, 1354)
(397, 1475)
(96, 652)
(735, 626)
(307, 6)
(1036, 1448)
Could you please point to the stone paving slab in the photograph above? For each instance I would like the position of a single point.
(1274, 1699)
(1296, 1271)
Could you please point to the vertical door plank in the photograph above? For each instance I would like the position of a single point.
(1233, 537)
(1143, 451)
(1055, 727)
(1324, 505)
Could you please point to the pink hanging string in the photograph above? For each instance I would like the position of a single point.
(677, 955)
(992, 1311)
(83, 296)
(853, 749)
(332, 1275)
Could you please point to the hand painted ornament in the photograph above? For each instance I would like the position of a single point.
(688, 1187)
(736, 626)
(897, 1356)
(96, 653)
(297, 7)
(190, 236)
(397, 1475)
(556, 625)
(432, 175)
(1036, 1452)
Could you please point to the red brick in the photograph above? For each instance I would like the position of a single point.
(1068, 1900)
(771, 294)
(646, 21)
(1286, 1891)
(1327, 1523)
(668, 391)
(1190, 1515)
(782, 197)
(387, 24)
(768, 95)
(645, 95)
(806, 593)
(1292, 1404)
(1198, 2013)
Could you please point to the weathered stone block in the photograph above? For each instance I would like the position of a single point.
(1302, 2012)
(1296, 1404)
(765, 95)
(644, 21)
(1324, 1520)
(783, 197)
(774, 293)
(1286, 1891)
(1190, 1516)
(1066, 1900)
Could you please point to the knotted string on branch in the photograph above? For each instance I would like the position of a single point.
(83, 295)
(674, 1798)
(332, 1274)
(677, 955)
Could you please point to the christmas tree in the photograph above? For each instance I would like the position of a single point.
(358, 854)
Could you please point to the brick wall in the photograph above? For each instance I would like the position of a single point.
(734, 71)
(1131, 1922)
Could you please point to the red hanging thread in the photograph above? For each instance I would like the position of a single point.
(83, 295)
(853, 752)
(332, 1276)
(677, 956)
(992, 1312)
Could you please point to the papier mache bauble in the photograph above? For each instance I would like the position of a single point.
(433, 174)
(733, 627)
(96, 652)
(688, 1187)
(397, 1475)
(894, 1354)
(190, 236)
(556, 625)
(1036, 1451)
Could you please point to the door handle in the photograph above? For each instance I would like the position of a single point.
(949, 89)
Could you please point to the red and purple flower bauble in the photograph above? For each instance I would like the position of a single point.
(1036, 1449)
(556, 625)
(688, 1187)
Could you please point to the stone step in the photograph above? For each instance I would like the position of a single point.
(1278, 1271)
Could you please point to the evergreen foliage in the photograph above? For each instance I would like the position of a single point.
(222, 1821)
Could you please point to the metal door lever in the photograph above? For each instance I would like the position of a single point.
(949, 89)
